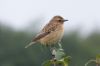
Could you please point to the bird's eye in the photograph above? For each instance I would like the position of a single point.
(59, 20)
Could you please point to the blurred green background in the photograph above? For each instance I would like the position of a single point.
(13, 53)
(21, 20)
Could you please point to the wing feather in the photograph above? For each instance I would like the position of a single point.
(46, 30)
(39, 36)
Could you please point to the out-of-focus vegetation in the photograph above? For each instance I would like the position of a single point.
(96, 60)
(13, 53)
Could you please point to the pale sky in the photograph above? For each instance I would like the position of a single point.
(84, 14)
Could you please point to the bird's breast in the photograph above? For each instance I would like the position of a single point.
(53, 37)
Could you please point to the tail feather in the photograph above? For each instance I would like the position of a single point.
(29, 44)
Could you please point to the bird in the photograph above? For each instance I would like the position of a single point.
(51, 33)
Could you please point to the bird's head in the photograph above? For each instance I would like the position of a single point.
(59, 19)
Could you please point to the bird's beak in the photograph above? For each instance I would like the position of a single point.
(65, 20)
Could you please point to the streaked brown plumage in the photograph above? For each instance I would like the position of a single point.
(51, 33)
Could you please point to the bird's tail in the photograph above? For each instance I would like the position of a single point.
(29, 44)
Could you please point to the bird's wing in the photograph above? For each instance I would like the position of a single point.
(50, 27)
(40, 35)
(45, 31)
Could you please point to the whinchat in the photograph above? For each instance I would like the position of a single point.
(51, 33)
